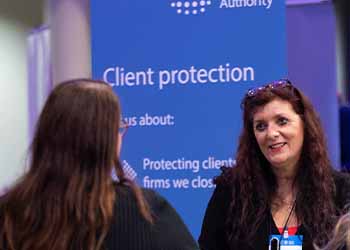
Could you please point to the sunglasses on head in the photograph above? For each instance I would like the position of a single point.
(283, 83)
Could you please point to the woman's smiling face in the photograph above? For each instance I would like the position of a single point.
(279, 132)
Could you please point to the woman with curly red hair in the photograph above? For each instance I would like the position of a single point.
(283, 186)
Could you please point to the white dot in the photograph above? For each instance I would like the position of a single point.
(202, 9)
(187, 12)
(194, 4)
(194, 12)
(179, 11)
(172, 4)
(178, 4)
(187, 4)
(208, 2)
(202, 2)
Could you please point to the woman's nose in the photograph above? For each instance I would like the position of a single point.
(272, 132)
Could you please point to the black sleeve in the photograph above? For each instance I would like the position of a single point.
(342, 183)
(172, 233)
(213, 233)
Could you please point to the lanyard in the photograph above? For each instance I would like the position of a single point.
(284, 234)
(286, 224)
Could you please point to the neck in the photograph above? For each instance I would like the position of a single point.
(285, 184)
(285, 187)
(285, 174)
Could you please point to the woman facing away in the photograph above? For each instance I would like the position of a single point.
(282, 191)
(67, 199)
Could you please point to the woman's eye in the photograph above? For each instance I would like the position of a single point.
(260, 126)
(282, 121)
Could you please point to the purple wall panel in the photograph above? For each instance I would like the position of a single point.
(312, 64)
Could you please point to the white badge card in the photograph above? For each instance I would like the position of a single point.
(278, 242)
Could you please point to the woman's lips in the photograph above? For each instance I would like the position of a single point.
(276, 147)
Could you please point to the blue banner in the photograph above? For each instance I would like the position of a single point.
(181, 69)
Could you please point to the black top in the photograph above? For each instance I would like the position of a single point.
(130, 231)
(213, 235)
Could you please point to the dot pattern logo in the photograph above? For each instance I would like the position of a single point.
(190, 7)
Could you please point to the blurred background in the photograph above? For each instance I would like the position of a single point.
(45, 42)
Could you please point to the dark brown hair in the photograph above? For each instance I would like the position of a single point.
(66, 198)
(253, 183)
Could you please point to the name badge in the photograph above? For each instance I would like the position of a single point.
(278, 242)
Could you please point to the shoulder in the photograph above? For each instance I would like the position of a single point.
(160, 206)
(341, 178)
(169, 228)
(342, 188)
(226, 182)
(155, 200)
(223, 192)
(227, 177)
(213, 231)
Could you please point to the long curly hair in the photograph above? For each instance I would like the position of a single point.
(254, 184)
(66, 198)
